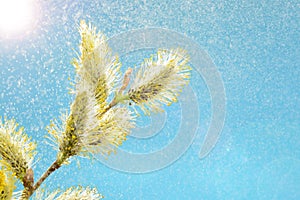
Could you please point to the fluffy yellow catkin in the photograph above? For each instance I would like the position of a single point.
(7, 184)
(16, 149)
(90, 127)
(160, 80)
(97, 68)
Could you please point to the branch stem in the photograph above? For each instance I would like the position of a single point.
(54, 166)
(119, 97)
(28, 191)
(29, 188)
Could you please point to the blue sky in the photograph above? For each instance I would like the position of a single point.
(253, 44)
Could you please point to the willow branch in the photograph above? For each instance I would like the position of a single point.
(29, 188)
(28, 191)
(28, 181)
(55, 165)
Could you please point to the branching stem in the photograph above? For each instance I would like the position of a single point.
(28, 191)
(29, 188)
(119, 96)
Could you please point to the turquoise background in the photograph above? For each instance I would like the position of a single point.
(255, 46)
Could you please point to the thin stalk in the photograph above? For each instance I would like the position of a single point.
(54, 166)
(119, 97)
(28, 191)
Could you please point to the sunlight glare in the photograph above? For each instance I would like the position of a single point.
(16, 16)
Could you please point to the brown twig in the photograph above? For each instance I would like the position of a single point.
(55, 165)
(28, 182)
(30, 188)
